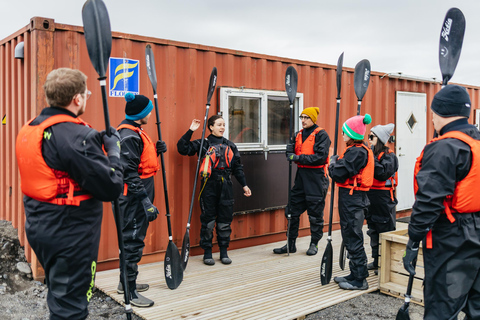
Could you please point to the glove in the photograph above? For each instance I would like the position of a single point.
(150, 210)
(410, 256)
(112, 143)
(161, 147)
(290, 148)
(292, 157)
(333, 159)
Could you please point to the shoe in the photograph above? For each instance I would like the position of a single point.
(207, 257)
(224, 256)
(137, 300)
(312, 250)
(350, 277)
(354, 285)
(139, 287)
(283, 249)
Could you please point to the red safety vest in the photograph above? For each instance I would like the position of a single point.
(306, 147)
(464, 199)
(148, 160)
(381, 185)
(38, 180)
(363, 180)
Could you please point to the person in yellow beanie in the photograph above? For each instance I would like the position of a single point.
(310, 153)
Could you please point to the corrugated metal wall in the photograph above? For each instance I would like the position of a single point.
(183, 72)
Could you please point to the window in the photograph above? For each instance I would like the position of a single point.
(258, 120)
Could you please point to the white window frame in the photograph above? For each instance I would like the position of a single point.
(226, 92)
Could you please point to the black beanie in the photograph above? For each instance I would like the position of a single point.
(137, 107)
(452, 101)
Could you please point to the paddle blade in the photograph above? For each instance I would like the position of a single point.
(185, 249)
(361, 78)
(342, 257)
(212, 84)
(98, 34)
(150, 63)
(402, 313)
(173, 266)
(327, 264)
(291, 80)
(339, 75)
(451, 40)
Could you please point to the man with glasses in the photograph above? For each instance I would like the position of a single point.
(65, 176)
(310, 153)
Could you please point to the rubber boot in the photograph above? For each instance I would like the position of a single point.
(354, 285)
(350, 277)
(282, 250)
(313, 249)
(207, 257)
(136, 299)
(224, 256)
(373, 265)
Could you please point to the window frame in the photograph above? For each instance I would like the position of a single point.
(263, 146)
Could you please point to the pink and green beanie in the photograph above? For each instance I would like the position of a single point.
(355, 127)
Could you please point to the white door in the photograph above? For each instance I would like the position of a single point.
(411, 129)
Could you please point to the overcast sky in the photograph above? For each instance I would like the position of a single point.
(394, 35)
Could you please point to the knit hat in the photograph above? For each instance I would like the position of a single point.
(451, 101)
(383, 132)
(355, 126)
(312, 112)
(137, 107)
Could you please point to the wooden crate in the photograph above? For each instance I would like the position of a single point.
(393, 276)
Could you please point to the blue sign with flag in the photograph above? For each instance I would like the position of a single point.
(124, 77)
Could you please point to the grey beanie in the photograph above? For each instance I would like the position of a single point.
(451, 101)
(383, 132)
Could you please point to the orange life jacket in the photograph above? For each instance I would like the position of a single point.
(363, 180)
(306, 147)
(382, 185)
(464, 199)
(38, 180)
(148, 160)
(218, 156)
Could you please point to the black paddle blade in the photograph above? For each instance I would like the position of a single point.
(361, 78)
(185, 249)
(339, 75)
(150, 63)
(402, 313)
(98, 34)
(212, 84)
(291, 80)
(327, 264)
(451, 40)
(173, 266)
(342, 257)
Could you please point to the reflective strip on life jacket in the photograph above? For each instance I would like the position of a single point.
(38, 180)
(149, 164)
(363, 180)
(306, 147)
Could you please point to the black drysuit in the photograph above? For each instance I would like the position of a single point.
(352, 208)
(452, 266)
(381, 214)
(216, 200)
(310, 187)
(135, 221)
(65, 238)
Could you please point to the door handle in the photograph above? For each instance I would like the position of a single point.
(401, 154)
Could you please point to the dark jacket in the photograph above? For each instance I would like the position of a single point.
(386, 166)
(352, 162)
(321, 148)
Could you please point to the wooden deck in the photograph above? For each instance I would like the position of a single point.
(257, 285)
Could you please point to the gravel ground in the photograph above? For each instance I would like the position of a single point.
(22, 298)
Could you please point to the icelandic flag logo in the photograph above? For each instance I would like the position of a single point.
(124, 77)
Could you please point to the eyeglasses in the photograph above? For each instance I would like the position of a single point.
(304, 117)
(370, 137)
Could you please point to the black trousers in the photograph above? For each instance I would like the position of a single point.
(381, 216)
(216, 204)
(135, 225)
(308, 194)
(452, 268)
(352, 210)
(65, 240)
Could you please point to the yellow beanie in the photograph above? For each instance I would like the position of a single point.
(312, 112)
